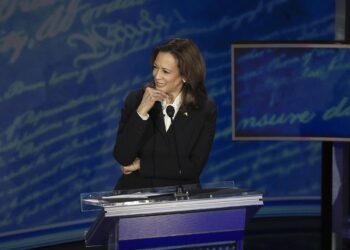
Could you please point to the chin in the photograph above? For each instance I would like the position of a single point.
(162, 88)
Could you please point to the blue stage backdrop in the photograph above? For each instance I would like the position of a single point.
(66, 67)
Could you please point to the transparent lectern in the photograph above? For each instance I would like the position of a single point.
(200, 217)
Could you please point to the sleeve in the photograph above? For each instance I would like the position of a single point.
(130, 132)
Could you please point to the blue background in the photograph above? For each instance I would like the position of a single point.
(66, 67)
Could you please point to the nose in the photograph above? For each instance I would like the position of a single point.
(156, 73)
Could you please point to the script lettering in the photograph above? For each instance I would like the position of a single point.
(14, 42)
(8, 7)
(60, 21)
(277, 119)
(341, 110)
(105, 9)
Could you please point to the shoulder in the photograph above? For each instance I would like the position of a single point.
(210, 103)
(209, 106)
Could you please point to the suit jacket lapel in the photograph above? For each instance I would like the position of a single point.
(183, 123)
(184, 129)
(181, 120)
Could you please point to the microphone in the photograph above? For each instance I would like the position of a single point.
(170, 111)
(180, 192)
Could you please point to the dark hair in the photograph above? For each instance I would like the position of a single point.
(192, 69)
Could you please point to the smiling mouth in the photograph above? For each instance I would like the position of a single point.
(159, 84)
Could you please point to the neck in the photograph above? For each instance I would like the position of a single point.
(172, 97)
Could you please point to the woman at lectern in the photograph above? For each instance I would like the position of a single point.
(167, 128)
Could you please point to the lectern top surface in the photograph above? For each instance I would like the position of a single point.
(173, 197)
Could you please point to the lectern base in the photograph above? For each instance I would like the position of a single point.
(197, 230)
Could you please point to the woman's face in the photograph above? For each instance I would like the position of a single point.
(166, 74)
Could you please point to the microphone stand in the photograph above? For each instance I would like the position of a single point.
(180, 192)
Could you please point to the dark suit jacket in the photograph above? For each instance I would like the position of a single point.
(149, 141)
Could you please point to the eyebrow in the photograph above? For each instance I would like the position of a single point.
(154, 64)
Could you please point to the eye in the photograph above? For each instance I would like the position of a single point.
(165, 71)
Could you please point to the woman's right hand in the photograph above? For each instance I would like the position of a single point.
(150, 96)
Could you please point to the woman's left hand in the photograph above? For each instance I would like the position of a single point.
(131, 168)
